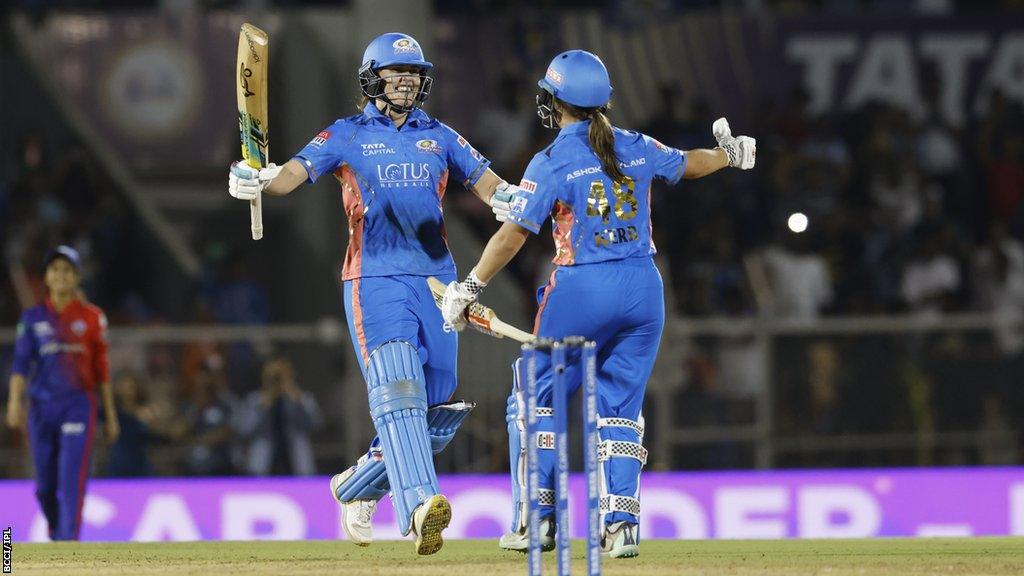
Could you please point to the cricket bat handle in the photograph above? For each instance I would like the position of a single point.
(256, 216)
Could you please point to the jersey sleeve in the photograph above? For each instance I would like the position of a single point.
(24, 349)
(669, 163)
(536, 196)
(464, 160)
(324, 153)
(101, 362)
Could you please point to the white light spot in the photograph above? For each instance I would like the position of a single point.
(797, 222)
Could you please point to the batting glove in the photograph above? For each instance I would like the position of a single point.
(742, 150)
(246, 182)
(501, 200)
(457, 297)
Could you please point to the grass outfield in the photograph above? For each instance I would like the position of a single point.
(902, 557)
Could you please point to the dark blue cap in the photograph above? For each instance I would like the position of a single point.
(66, 252)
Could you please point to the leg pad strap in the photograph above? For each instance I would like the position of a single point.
(621, 449)
(618, 503)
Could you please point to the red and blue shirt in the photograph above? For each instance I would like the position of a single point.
(62, 352)
(392, 184)
(594, 219)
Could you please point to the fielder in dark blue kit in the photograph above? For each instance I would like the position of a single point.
(61, 353)
(393, 163)
(594, 183)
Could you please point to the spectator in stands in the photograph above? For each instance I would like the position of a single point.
(897, 192)
(129, 457)
(931, 280)
(277, 420)
(823, 371)
(799, 280)
(206, 426)
(1006, 180)
(998, 283)
(999, 288)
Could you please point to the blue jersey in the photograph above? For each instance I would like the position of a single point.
(593, 218)
(61, 352)
(392, 184)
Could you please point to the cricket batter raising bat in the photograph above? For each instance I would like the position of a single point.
(393, 162)
(594, 182)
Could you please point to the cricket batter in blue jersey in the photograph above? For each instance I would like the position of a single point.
(393, 163)
(61, 354)
(594, 182)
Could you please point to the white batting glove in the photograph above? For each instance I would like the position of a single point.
(501, 200)
(456, 298)
(742, 150)
(246, 182)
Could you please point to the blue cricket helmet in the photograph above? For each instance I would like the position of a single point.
(394, 49)
(579, 78)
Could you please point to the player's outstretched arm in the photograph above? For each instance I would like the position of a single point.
(701, 161)
(500, 250)
(292, 174)
(736, 151)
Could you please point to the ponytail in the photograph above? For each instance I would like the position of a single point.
(602, 142)
(600, 136)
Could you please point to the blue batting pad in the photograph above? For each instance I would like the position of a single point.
(398, 407)
(443, 422)
(621, 456)
(515, 422)
(370, 482)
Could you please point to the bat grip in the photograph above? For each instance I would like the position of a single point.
(256, 216)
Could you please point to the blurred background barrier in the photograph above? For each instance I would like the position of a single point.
(844, 504)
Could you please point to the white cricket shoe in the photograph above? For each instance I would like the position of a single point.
(621, 540)
(519, 541)
(428, 520)
(356, 515)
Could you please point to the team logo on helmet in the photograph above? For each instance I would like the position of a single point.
(555, 76)
(428, 146)
(405, 46)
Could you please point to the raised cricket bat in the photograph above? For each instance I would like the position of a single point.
(252, 110)
(481, 317)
